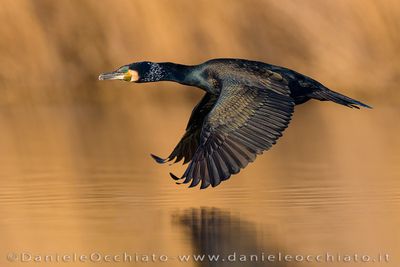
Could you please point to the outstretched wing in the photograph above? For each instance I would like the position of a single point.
(188, 144)
(245, 121)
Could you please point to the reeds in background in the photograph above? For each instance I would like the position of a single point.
(52, 51)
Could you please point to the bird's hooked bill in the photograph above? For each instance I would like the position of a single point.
(123, 73)
(111, 76)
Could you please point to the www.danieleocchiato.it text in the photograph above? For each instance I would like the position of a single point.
(29, 257)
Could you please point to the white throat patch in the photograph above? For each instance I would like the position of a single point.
(134, 75)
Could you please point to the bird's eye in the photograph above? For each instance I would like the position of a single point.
(123, 69)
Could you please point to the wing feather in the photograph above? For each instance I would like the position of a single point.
(244, 122)
(189, 143)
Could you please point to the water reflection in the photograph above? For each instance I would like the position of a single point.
(77, 181)
(215, 231)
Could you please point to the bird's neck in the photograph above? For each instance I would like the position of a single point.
(174, 72)
(183, 74)
(179, 73)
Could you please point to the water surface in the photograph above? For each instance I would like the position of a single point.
(79, 179)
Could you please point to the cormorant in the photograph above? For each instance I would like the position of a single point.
(246, 107)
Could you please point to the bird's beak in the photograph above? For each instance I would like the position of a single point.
(128, 76)
(115, 75)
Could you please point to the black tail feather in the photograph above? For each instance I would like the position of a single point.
(328, 95)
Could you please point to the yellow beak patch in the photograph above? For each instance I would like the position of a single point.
(131, 76)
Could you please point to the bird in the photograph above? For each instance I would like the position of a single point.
(245, 109)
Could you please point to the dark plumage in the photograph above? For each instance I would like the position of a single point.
(247, 106)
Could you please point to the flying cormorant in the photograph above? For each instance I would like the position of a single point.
(246, 107)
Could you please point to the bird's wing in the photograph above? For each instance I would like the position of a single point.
(245, 121)
(189, 142)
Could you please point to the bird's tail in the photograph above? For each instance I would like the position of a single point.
(326, 94)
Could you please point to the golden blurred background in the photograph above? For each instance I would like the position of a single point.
(52, 50)
(75, 171)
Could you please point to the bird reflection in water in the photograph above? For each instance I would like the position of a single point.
(217, 232)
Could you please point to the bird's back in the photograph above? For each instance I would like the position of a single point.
(261, 75)
(215, 74)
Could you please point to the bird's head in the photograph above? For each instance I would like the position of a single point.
(136, 72)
